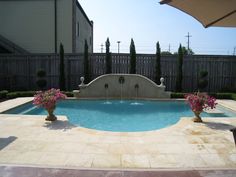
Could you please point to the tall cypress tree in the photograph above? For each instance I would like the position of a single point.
(108, 57)
(132, 58)
(179, 77)
(158, 63)
(86, 63)
(62, 80)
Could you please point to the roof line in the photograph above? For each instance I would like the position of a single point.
(83, 12)
(12, 47)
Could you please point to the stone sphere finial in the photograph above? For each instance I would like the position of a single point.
(82, 80)
(162, 81)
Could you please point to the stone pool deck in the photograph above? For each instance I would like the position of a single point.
(30, 141)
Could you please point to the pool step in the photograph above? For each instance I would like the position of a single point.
(28, 110)
(213, 111)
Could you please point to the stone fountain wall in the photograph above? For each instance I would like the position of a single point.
(124, 86)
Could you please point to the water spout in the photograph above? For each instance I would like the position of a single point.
(106, 92)
(136, 91)
(136, 87)
(121, 81)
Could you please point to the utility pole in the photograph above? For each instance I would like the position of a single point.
(188, 36)
(169, 48)
(234, 53)
(102, 48)
(118, 42)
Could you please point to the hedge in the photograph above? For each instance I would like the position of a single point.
(12, 95)
(3, 94)
(17, 94)
(216, 95)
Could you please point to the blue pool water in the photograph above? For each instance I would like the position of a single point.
(125, 116)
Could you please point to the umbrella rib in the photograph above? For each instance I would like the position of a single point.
(165, 1)
(215, 21)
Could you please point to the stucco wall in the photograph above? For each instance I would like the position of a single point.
(29, 24)
(127, 86)
(64, 24)
(85, 32)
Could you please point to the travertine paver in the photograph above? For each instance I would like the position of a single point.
(228, 103)
(13, 103)
(32, 141)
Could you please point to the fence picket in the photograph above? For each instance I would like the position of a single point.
(18, 72)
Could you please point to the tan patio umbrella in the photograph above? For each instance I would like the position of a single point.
(220, 13)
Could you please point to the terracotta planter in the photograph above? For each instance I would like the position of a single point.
(197, 117)
(51, 116)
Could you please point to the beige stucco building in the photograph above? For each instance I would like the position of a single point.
(39, 26)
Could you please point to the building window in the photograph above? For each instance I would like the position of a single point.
(77, 29)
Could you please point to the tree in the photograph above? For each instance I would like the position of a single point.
(166, 53)
(86, 64)
(158, 63)
(108, 57)
(186, 51)
(132, 58)
(179, 77)
(62, 80)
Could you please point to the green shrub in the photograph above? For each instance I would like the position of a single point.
(41, 73)
(221, 95)
(12, 95)
(41, 81)
(202, 81)
(177, 95)
(3, 94)
(216, 95)
(69, 94)
(234, 96)
(228, 89)
(224, 96)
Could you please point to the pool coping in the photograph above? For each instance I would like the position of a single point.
(24, 100)
(12, 103)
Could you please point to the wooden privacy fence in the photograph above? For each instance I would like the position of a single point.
(18, 72)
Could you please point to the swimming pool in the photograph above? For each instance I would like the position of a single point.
(117, 116)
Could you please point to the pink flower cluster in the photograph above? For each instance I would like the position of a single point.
(200, 101)
(48, 98)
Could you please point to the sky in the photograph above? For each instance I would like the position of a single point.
(147, 22)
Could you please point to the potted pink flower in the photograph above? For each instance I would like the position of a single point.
(198, 102)
(48, 100)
